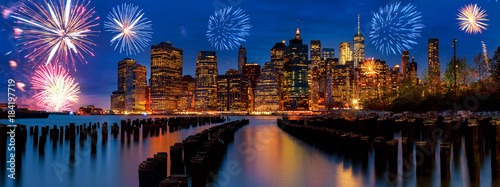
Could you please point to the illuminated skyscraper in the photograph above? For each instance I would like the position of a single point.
(413, 71)
(206, 81)
(252, 72)
(405, 62)
(343, 80)
(328, 53)
(433, 64)
(314, 74)
(295, 90)
(118, 101)
(267, 92)
(232, 92)
(188, 83)
(359, 48)
(277, 59)
(242, 58)
(140, 83)
(345, 53)
(374, 81)
(186, 98)
(166, 77)
(131, 93)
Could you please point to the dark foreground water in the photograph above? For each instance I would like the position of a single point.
(261, 155)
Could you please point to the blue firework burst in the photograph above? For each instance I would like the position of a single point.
(395, 28)
(227, 28)
(132, 30)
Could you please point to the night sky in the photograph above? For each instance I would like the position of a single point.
(184, 23)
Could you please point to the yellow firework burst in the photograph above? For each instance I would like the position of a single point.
(471, 19)
(369, 67)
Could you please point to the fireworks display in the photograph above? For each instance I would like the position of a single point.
(56, 31)
(471, 19)
(227, 28)
(394, 28)
(56, 89)
(369, 67)
(133, 30)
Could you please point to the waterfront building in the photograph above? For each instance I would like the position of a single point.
(328, 53)
(314, 69)
(277, 59)
(131, 93)
(295, 92)
(242, 59)
(206, 81)
(166, 77)
(433, 64)
(232, 92)
(358, 47)
(252, 72)
(267, 91)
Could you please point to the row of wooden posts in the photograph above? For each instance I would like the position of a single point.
(420, 136)
(192, 159)
(128, 130)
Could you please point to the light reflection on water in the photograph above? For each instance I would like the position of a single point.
(261, 155)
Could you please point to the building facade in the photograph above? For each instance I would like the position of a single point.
(345, 53)
(358, 47)
(267, 91)
(314, 75)
(433, 64)
(295, 91)
(252, 72)
(242, 58)
(166, 77)
(277, 59)
(232, 92)
(206, 81)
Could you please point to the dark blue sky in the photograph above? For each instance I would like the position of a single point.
(331, 21)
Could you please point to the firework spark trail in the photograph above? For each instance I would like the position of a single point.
(133, 30)
(471, 19)
(56, 32)
(227, 28)
(370, 67)
(57, 90)
(486, 58)
(395, 28)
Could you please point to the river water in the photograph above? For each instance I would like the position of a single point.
(261, 155)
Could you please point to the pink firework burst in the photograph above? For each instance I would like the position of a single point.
(55, 89)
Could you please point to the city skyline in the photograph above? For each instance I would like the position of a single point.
(262, 39)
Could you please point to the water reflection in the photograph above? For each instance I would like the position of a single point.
(264, 155)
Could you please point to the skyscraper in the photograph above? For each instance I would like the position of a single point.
(277, 58)
(186, 98)
(328, 53)
(206, 81)
(345, 53)
(140, 84)
(242, 58)
(131, 93)
(188, 83)
(433, 64)
(359, 48)
(405, 61)
(413, 73)
(295, 90)
(252, 72)
(267, 92)
(232, 92)
(314, 74)
(166, 76)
